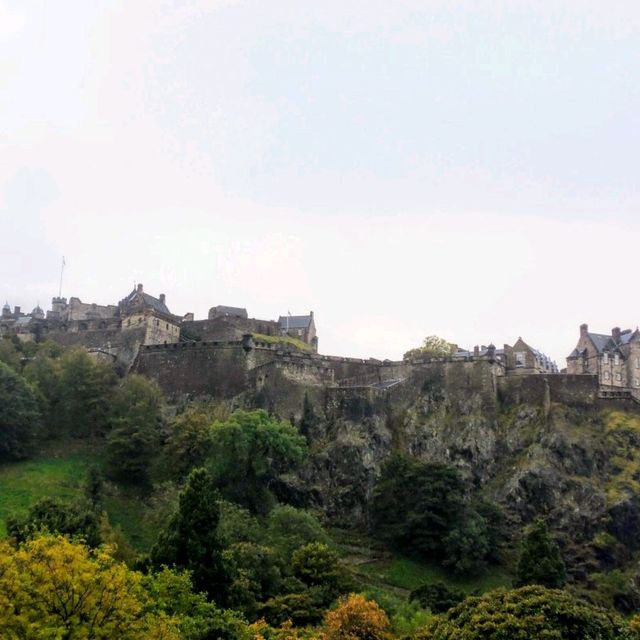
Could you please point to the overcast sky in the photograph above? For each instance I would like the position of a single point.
(405, 168)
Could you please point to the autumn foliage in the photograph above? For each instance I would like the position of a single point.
(51, 587)
(356, 618)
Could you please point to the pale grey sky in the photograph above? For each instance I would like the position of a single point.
(403, 168)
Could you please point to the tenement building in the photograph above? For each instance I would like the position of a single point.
(614, 358)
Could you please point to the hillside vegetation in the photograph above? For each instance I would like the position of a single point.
(234, 522)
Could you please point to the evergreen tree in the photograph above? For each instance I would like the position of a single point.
(94, 489)
(85, 392)
(19, 415)
(540, 559)
(190, 540)
(135, 435)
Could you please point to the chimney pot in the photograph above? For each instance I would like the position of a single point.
(162, 298)
(616, 332)
(140, 288)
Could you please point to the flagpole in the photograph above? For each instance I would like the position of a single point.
(61, 274)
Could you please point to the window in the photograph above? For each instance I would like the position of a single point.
(636, 382)
(618, 377)
(605, 358)
(637, 363)
(520, 358)
(606, 375)
(616, 359)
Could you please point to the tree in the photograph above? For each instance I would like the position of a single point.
(85, 394)
(540, 560)
(253, 573)
(53, 515)
(522, 614)
(289, 529)
(190, 540)
(134, 439)
(432, 347)
(189, 442)
(316, 565)
(173, 596)
(436, 596)
(422, 507)
(356, 618)
(20, 418)
(51, 587)
(250, 451)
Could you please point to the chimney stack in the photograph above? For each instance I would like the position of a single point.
(476, 351)
(584, 329)
(140, 288)
(616, 333)
(16, 311)
(162, 298)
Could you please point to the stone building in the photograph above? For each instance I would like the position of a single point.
(75, 309)
(614, 358)
(139, 309)
(301, 327)
(222, 311)
(522, 359)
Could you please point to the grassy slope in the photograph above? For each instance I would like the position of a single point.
(59, 471)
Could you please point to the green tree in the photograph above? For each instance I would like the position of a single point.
(85, 394)
(422, 507)
(436, 596)
(540, 560)
(288, 529)
(432, 347)
(526, 613)
(20, 419)
(189, 442)
(250, 451)
(134, 439)
(317, 567)
(94, 489)
(190, 540)
(172, 595)
(10, 353)
(53, 515)
(253, 573)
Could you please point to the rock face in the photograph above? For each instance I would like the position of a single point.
(580, 468)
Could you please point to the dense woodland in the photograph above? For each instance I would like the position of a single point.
(227, 553)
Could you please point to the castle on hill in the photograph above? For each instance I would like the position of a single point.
(240, 352)
(142, 319)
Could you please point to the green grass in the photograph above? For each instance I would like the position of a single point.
(284, 340)
(406, 573)
(57, 472)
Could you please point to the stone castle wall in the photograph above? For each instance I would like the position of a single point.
(570, 389)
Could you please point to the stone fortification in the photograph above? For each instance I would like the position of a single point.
(263, 374)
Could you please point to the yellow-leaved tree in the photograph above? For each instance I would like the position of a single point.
(356, 618)
(53, 588)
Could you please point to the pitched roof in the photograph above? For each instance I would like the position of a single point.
(294, 322)
(231, 311)
(148, 301)
(601, 341)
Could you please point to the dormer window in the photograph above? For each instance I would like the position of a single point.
(520, 358)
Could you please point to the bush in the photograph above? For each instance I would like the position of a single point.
(526, 613)
(437, 597)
